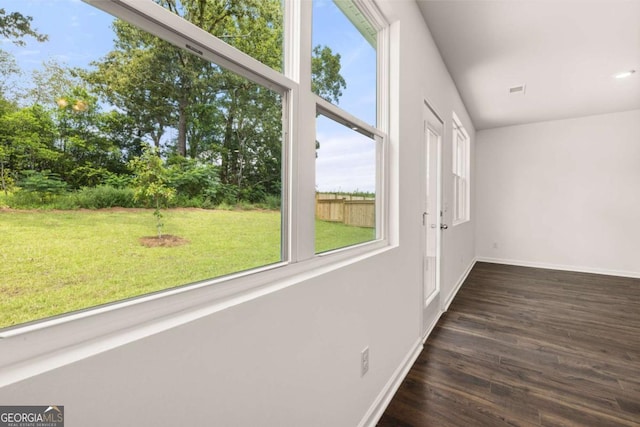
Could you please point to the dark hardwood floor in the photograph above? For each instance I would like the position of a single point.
(529, 347)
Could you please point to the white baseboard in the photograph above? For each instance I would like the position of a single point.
(548, 266)
(376, 410)
(461, 280)
(431, 326)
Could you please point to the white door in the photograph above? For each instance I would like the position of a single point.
(431, 218)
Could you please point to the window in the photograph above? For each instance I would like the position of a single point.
(345, 185)
(461, 189)
(149, 154)
(345, 58)
(347, 156)
(253, 27)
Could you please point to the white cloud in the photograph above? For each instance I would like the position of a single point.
(346, 162)
(26, 52)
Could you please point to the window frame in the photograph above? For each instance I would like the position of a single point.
(93, 330)
(378, 132)
(461, 161)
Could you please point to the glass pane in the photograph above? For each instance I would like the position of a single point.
(254, 27)
(345, 186)
(132, 168)
(344, 58)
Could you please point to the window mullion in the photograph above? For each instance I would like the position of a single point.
(303, 173)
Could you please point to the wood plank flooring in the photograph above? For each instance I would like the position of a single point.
(528, 347)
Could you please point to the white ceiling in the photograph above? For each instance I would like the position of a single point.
(565, 51)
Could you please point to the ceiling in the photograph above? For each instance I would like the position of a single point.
(565, 52)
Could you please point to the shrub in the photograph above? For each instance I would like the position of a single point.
(105, 196)
(227, 194)
(271, 202)
(45, 184)
(117, 181)
(24, 200)
(194, 179)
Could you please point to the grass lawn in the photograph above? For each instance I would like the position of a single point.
(56, 262)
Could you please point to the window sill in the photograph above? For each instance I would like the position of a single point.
(35, 348)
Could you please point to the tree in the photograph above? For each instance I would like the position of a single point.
(15, 26)
(151, 182)
(8, 69)
(326, 80)
(45, 184)
(51, 83)
(27, 142)
(200, 110)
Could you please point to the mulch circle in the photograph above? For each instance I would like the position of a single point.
(166, 241)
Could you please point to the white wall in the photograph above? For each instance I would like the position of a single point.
(291, 357)
(562, 194)
(425, 77)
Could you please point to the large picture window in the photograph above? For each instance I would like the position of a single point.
(147, 146)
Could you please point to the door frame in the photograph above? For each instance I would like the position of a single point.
(430, 307)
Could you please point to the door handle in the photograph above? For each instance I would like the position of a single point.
(443, 226)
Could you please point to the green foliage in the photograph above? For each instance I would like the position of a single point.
(151, 182)
(45, 184)
(228, 194)
(219, 117)
(193, 179)
(50, 83)
(15, 26)
(27, 140)
(325, 75)
(118, 181)
(105, 196)
(271, 202)
(24, 200)
(225, 131)
(8, 68)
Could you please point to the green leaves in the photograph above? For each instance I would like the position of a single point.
(88, 125)
(44, 183)
(325, 74)
(15, 26)
(151, 182)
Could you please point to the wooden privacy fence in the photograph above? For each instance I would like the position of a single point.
(358, 211)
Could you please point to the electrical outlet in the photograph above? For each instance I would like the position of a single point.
(364, 361)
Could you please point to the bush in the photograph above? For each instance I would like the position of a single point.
(194, 179)
(105, 196)
(44, 184)
(24, 200)
(271, 202)
(117, 181)
(227, 194)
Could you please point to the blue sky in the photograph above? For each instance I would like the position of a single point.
(346, 159)
(79, 33)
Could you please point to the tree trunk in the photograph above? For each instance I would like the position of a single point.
(229, 157)
(182, 127)
(4, 183)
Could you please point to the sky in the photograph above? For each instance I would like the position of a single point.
(79, 33)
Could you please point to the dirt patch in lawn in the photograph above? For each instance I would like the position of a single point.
(166, 241)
